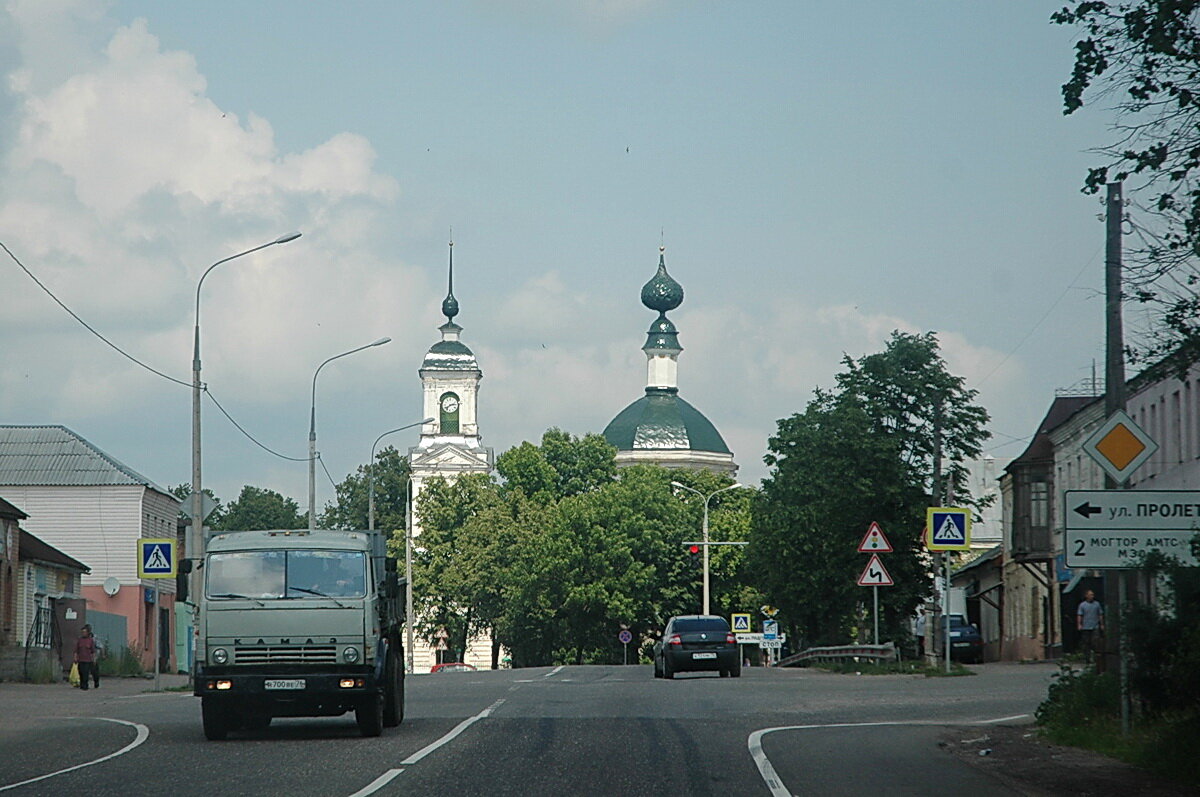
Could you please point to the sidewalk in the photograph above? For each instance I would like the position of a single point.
(17, 698)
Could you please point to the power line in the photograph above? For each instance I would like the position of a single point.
(135, 360)
(249, 436)
(327, 474)
(1045, 315)
(88, 326)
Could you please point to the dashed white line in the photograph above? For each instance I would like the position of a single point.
(378, 783)
(775, 783)
(453, 734)
(142, 734)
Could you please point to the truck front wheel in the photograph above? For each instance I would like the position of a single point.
(216, 720)
(369, 715)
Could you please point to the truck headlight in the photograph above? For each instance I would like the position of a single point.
(350, 654)
(220, 656)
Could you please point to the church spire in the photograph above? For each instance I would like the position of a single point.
(662, 293)
(450, 304)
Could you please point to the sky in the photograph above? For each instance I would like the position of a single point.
(820, 175)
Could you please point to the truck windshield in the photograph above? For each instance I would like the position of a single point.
(263, 575)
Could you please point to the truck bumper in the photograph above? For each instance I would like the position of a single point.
(287, 694)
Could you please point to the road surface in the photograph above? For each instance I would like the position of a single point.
(565, 730)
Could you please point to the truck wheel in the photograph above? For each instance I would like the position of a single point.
(393, 694)
(216, 720)
(369, 715)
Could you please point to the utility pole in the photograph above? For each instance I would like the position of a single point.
(1114, 396)
(931, 634)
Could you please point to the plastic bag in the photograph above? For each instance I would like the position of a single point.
(74, 676)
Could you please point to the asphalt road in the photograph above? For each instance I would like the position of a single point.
(570, 730)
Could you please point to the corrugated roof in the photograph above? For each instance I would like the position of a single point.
(55, 456)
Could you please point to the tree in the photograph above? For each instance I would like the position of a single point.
(1144, 57)
(858, 454)
(260, 508)
(184, 493)
(351, 509)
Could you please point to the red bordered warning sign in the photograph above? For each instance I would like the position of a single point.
(875, 574)
(874, 541)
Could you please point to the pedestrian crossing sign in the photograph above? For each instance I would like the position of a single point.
(156, 558)
(741, 623)
(948, 528)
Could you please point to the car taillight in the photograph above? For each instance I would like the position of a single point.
(731, 639)
(675, 640)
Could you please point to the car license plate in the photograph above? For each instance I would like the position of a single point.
(284, 683)
(704, 655)
(962, 644)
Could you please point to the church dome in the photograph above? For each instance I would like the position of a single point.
(662, 421)
(450, 355)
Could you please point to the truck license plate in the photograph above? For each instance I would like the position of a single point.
(284, 683)
(704, 655)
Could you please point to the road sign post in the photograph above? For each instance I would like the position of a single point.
(875, 575)
(625, 638)
(156, 559)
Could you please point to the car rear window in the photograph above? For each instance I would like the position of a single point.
(700, 624)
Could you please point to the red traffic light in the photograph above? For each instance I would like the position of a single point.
(694, 549)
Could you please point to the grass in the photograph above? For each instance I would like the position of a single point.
(893, 668)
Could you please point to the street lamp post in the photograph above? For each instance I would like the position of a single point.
(312, 432)
(195, 535)
(408, 586)
(371, 471)
(704, 527)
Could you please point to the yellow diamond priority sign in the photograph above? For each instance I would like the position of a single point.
(1120, 446)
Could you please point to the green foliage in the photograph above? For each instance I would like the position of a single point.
(184, 493)
(1143, 57)
(351, 509)
(122, 662)
(553, 560)
(260, 508)
(858, 454)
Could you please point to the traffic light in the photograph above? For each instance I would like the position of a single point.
(694, 551)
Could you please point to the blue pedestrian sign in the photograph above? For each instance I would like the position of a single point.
(948, 528)
(156, 558)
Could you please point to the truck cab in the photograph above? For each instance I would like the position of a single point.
(298, 624)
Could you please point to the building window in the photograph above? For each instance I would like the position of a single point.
(1039, 504)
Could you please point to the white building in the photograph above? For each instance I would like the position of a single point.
(450, 445)
(94, 508)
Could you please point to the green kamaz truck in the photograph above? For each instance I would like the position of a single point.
(299, 624)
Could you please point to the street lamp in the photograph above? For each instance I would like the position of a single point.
(371, 471)
(312, 432)
(704, 526)
(408, 586)
(195, 541)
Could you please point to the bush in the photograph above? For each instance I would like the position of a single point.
(1081, 707)
(124, 662)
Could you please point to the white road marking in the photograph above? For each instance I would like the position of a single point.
(771, 777)
(378, 783)
(453, 734)
(142, 734)
(555, 671)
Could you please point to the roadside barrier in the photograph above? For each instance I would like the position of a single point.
(886, 652)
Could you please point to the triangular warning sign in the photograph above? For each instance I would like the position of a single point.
(156, 561)
(949, 531)
(874, 541)
(875, 574)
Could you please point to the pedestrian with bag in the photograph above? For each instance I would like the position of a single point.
(85, 658)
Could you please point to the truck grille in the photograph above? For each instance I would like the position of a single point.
(286, 654)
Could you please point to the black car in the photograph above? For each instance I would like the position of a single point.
(697, 642)
(966, 643)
